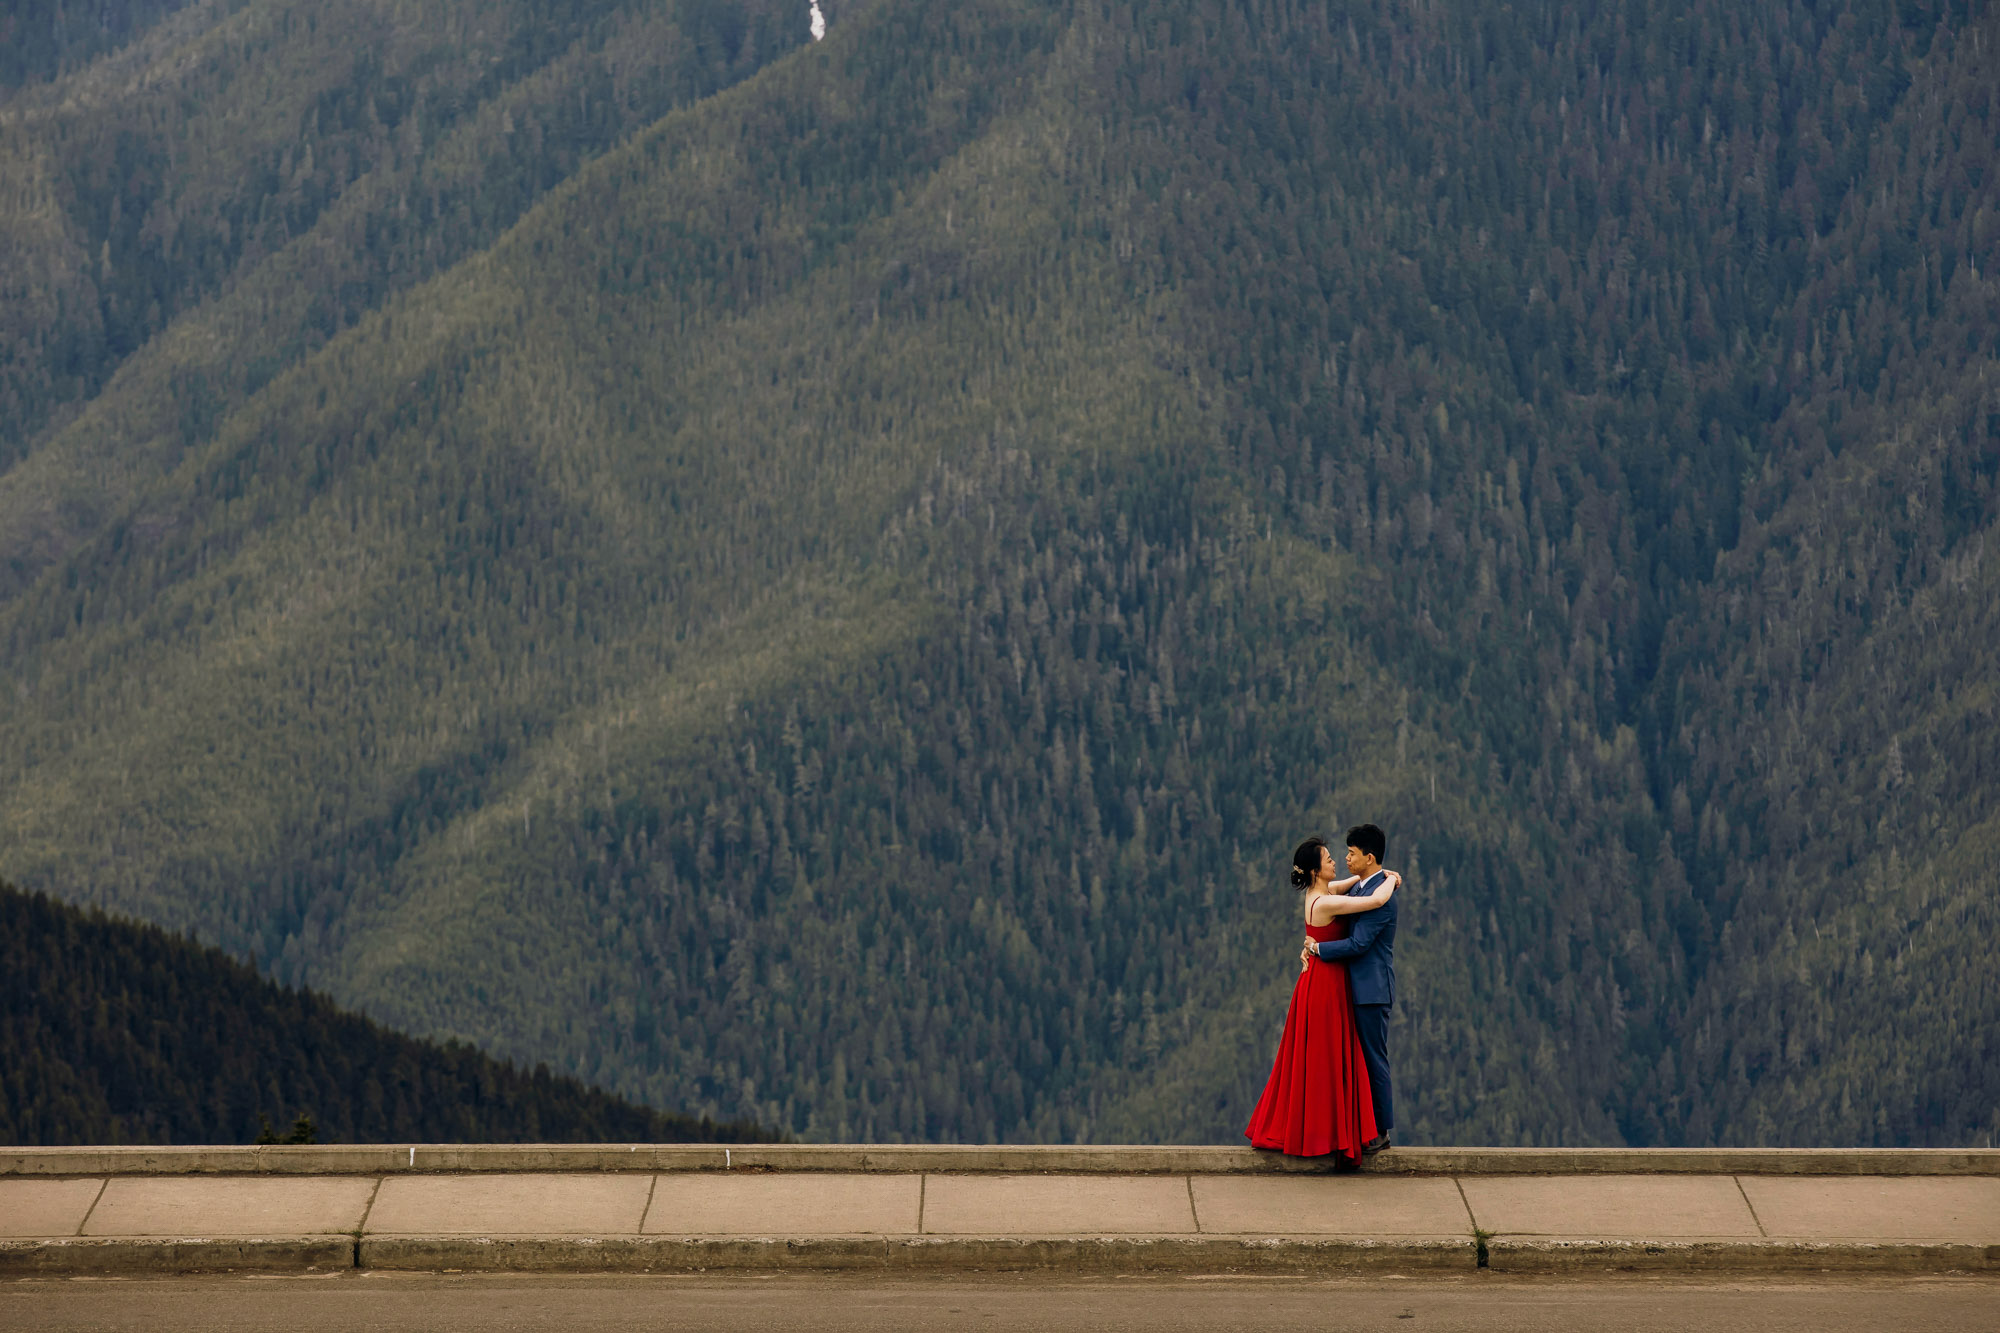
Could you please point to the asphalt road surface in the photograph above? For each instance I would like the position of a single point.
(446, 1303)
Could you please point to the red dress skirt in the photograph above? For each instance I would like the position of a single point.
(1317, 1100)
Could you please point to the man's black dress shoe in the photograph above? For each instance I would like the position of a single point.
(1375, 1145)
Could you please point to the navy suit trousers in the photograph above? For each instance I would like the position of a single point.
(1371, 1021)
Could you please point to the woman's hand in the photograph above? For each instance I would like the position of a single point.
(1344, 904)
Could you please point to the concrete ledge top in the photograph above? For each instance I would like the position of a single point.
(422, 1158)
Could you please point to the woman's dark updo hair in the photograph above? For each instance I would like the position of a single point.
(1305, 861)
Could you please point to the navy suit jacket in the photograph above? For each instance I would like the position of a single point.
(1370, 947)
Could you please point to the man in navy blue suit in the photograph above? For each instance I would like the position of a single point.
(1369, 952)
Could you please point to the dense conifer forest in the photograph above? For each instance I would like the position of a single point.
(113, 1032)
(43, 39)
(820, 583)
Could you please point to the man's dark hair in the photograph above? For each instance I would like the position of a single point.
(1368, 840)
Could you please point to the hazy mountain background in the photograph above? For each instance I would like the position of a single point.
(821, 583)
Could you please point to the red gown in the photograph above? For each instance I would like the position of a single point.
(1317, 1100)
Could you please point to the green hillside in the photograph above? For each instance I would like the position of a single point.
(836, 610)
(191, 215)
(39, 40)
(112, 1032)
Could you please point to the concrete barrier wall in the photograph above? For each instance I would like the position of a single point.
(392, 1159)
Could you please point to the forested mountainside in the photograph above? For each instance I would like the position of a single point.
(113, 1032)
(42, 39)
(185, 218)
(839, 613)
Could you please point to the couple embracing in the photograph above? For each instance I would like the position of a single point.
(1329, 1090)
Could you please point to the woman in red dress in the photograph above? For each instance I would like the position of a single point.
(1317, 1099)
